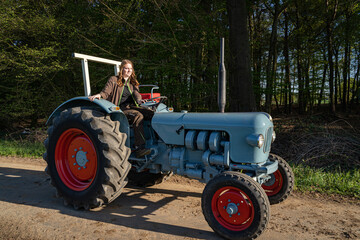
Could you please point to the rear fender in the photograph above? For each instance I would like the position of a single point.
(102, 105)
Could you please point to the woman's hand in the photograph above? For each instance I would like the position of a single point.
(96, 96)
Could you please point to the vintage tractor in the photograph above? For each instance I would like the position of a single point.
(88, 152)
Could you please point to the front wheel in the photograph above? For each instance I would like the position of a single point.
(235, 206)
(281, 183)
(87, 157)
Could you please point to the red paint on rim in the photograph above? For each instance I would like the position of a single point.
(75, 159)
(274, 188)
(241, 219)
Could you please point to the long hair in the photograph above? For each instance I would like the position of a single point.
(132, 77)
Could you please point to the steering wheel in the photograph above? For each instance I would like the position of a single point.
(151, 103)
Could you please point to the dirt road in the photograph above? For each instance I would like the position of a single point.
(29, 209)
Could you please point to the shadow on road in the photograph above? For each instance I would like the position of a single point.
(131, 209)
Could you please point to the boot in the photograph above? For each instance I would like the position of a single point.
(142, 151)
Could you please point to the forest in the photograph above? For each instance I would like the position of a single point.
(304, 54)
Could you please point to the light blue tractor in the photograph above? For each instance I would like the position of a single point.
(88, 152)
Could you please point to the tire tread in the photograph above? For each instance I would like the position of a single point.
(112, 151)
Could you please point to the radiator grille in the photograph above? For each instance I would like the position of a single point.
(268, 139)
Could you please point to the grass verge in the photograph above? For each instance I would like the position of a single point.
(334, 181)
(21, 148)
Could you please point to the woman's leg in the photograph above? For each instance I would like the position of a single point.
(136, 118)
(147, 113)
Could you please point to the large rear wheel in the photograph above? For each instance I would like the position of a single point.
(87, 157)
(235, 206)
(281, 183)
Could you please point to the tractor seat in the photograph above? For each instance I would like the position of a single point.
(148, 96)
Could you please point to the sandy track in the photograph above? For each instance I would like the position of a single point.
(171, 210)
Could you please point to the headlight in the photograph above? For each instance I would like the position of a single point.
(273, 137)
(260, 141)
(256, 140)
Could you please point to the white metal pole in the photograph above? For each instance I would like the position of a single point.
(86, 78)
(117, 69)
(96, 59)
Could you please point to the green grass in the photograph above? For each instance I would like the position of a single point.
(335, 181)
(21, 148)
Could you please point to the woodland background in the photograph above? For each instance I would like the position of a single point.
(305, 54)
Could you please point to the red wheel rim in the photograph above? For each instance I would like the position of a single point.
(274, 185)
(232, 208)
(75, 159)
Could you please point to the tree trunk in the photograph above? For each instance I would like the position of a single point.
(287, 66)
(307, 83)
(241, 89)
(256, 34)
(313, 92)
(345, 77)
(331, 13)
(195, 80)
(337, 77)
(299, 66)
(323, 82)
(356, 82)
(272, 59)
(349, 76)
(300, 80)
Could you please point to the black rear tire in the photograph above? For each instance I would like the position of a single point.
(235, 206)
(87, 157)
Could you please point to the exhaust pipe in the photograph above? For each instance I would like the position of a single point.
(222, 79)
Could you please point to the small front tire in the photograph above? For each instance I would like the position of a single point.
(235, 206)
(281, 184)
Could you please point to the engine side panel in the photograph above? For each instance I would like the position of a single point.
(173, 129)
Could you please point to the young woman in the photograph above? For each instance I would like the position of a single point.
(123, 91)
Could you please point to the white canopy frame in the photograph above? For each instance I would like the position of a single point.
(85, 68)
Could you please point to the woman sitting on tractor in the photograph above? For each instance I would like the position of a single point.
(123, 91)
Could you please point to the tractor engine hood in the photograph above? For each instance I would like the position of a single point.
(172, 129)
